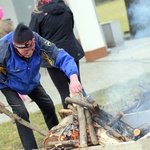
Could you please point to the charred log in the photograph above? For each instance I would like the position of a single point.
(82, 126)
(115, 119)
(79, 102)
(95, 109)
(64, 113)
(92, 133)
(82, 123)
(61, 144)
(94, 104)
(111, 131)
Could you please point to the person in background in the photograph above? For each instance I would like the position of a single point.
(53, 20)
(21, 53)
(6, 25)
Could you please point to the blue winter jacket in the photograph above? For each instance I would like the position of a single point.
(23, 76)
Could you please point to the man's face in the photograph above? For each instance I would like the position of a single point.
(27, 52)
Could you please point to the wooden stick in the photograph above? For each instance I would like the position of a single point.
(82, 122)
(79, 102)
(64, 113)
(97, 107)
(97, 110)
(63, 143)
(74, 109)
(115, 119)
(70, 106)
(21, 121)
(111, 131)
(93, 136)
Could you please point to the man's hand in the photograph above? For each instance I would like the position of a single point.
(75, 86)
(1, 104)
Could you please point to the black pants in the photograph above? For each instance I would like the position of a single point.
(44, 102)
(61, 82)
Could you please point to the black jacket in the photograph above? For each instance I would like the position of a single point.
(56, 23)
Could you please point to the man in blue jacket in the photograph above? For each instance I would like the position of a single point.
(21, 54)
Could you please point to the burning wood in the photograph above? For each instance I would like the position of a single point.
(61, 144)
(104, 138)
(83, 127)
(65, 112)
(92, 133)
(115, 119)
(85, 124)
(67, 130)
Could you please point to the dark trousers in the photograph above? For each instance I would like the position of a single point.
(44, 102)
(61, 82)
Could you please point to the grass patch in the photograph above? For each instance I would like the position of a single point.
(113, 10)
(9, 139)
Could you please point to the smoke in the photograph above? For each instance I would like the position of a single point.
(140, 18)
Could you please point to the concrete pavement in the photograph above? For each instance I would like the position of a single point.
(125, 61)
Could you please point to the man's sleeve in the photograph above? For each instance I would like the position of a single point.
(66, 63)
(58, 57)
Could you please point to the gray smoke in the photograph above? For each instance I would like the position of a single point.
(140, 22)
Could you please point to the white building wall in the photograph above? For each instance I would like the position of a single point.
(88, 26)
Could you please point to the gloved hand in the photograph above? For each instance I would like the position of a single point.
(75, 86)
(1, 104)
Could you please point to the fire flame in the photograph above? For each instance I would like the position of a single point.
(63, 136)
(74, 135)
